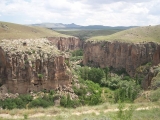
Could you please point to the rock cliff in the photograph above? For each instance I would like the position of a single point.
(152, 79)
(66, 43)
(121, 54)
(32, 65)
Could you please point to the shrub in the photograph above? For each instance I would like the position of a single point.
(89, 93)
(9, 104)
(19, 102)
(113, 83)
(67, 102)
(40, 76)
(93, 74)
(155, 95)
(51, 92)
(128, 91)
(41, 102)
(106, 71)
(123, 114)
(77, 53)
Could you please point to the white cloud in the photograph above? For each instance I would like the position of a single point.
(84, 12)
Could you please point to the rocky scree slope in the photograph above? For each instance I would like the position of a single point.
(127, 49)
(32, 65)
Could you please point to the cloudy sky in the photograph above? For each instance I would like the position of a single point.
(82, 12)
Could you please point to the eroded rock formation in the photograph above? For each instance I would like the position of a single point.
(32, 65)
(66, 43)
(121, 55)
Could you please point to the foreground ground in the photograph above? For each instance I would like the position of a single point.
(105, 111)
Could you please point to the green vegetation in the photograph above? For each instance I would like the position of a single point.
(133, 35)
(16, 31)
(155, 95)
(89, 93)
(94, 74)
(68, 103)
(19, 102)
(40, 76)
(27, 101)
(77, 53)
(85, 34)
(124, 88)
(45, 101)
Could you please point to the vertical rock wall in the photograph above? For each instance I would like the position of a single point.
(120, 55)
(65, 44)
(32, 65)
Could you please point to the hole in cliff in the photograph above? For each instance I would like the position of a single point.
(35, 84)
(24, 44)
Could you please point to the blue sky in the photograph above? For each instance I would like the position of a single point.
(82, 12)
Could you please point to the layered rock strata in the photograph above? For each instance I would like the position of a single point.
(32, 65)
(121, 55)
(66, 43)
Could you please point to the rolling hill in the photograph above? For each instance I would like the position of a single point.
(134, 35)
(16, 31)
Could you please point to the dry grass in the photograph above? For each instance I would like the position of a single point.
(133, 35)
(16, 31)
(80, 113)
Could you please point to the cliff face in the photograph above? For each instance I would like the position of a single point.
(152, 79)
(32, 65)
(121, 55)
(64, 43)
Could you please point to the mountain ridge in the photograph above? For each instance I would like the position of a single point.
(75, 26)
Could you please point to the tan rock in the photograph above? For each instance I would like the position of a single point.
(32, 65)
(65, 44)
(121, 55)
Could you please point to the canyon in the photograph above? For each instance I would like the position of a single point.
(122, 56)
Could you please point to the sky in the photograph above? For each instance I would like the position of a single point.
(82, 12)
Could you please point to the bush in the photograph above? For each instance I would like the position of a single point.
(89, 93)
(19, 102)
(128, 91)
(67, 102)
(93, 74)
(9, 104)
(155, 95)
(113, 83)
(77, 53)
(44, 102)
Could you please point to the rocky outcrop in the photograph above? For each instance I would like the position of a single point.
(32, 65)
(152, 79)
(121, 55)
(66, 43)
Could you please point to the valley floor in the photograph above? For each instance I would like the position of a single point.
(105, 111)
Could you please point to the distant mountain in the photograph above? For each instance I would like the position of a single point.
(74, 26)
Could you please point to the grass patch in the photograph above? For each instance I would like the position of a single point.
(133, 35)
(16, 31)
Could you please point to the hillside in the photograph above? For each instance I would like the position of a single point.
(16, 31)
(134, 35)
(86, 34)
